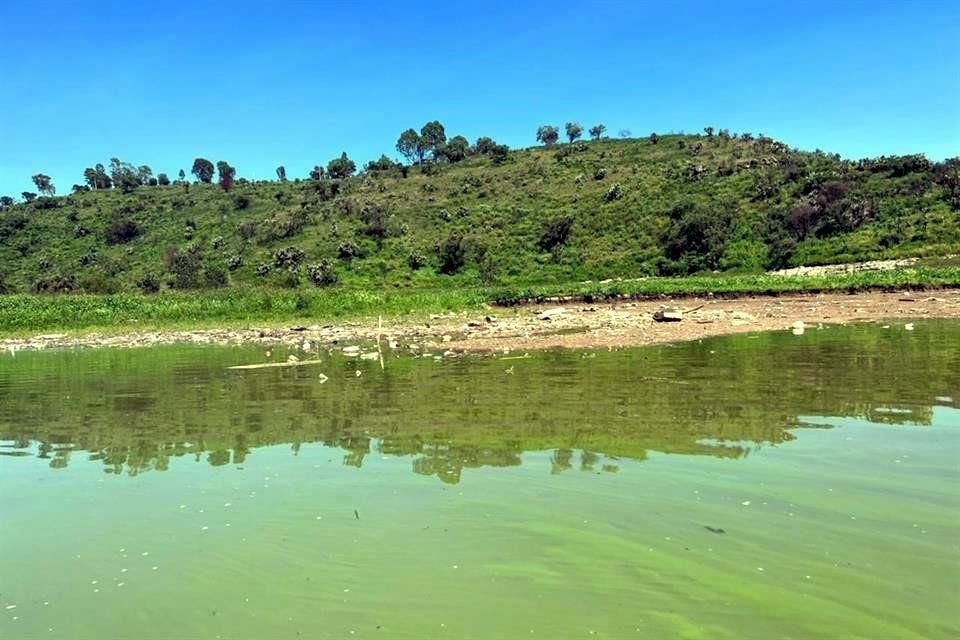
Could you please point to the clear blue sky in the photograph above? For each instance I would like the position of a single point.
(295, 83)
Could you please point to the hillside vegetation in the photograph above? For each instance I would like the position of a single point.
(584, 210)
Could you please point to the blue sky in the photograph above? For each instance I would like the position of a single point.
(295, 83)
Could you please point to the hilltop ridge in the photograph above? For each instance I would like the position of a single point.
(662, 205)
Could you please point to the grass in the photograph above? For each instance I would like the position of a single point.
(31, 314)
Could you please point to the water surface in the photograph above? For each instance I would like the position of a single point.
(759, 486)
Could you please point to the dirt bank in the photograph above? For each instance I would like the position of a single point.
(574, 326)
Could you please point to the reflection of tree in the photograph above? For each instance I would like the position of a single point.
(134, 411)
(560, 460)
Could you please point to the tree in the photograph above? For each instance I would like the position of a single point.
(596, 131)
(79, 188)
(409, 145)
(654, 138)
(433, 137)
(708, 131)
(123, 175)
(227, 174)
(44, 185)
(6, 201)
(97, 177)
(574, 130)
(382, 164)
(342, 167)
(282, 173)
(28, 196)
(317, 173)
(548, 135)
(202, 169)
(182, 175)
(144, 173)
(484, 145)
(163, 180)
(456, 149)
(625, 133)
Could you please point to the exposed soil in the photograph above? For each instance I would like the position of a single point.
(619, 324)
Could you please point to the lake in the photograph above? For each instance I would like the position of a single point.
(754, 486)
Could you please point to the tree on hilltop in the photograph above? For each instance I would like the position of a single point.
(44, 184)
(574, 130)
(203, 170)
(548, 135)
(342, 167)
(227, 174)
(597, 131)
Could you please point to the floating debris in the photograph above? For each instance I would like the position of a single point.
(269, 365)
(714, 529)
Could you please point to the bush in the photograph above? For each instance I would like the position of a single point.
(263, 270)
(696, 239)
(322, 274)
(215, 276)
(377, 220)
(149, 283)
(347, 251)
(122, 231)
(556, 232)
(289, 258)
(56, 284)
(600, 173)
(234, 262)
(247, 229)
(241, 202)
(99, 283)
(184, 267)
(614, 193)
(453, 254)
(416, 261)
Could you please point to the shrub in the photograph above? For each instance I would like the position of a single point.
(600, 173)
(234, 262)
(122, 231)
(247, 229)
(241, 202)
(614, 193)
(377, 220)
(215, 276)
(184, 267)
(322, 274)
(56, 284)
(149, 283)
(430, 169)
(452, 253)
(347, 251)
(555, 233)
(289, 258)
(416, 261)
(263, 270)
(99, 283)
(217, 242)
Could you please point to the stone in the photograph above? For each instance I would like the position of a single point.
(668, 315)
(549, 314)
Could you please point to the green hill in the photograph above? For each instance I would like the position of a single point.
(673, 205)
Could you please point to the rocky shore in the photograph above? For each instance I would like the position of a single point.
(618, 324)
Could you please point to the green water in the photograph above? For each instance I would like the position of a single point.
(761, 486)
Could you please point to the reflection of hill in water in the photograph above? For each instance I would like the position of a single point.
(132, 410)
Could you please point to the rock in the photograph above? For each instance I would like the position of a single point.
(549, 314)
(447, 337)
(798, 328)
(668, 315)
(370, 355)
(908, 326)
(351, 350)
(742, 315)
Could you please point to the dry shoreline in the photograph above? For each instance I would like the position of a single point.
(616, 324)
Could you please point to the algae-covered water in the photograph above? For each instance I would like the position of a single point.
(758, 486)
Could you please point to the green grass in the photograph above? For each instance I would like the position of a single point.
(31, 314)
